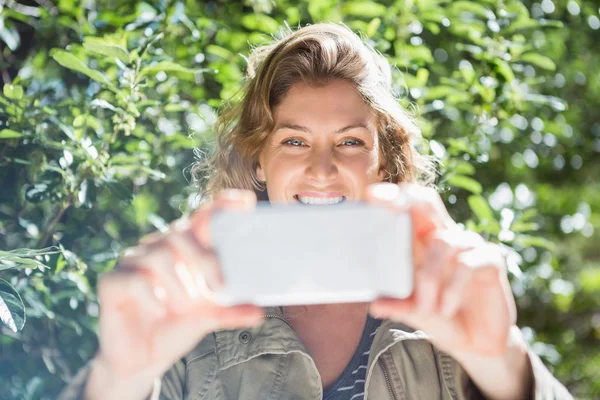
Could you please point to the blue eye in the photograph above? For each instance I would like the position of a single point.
(353, 142)
(294, 142)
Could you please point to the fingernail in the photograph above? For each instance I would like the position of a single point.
(385, 191)
(186, 279)
(182, 224)
(160, 292)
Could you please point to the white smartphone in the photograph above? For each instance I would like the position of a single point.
(281, 255)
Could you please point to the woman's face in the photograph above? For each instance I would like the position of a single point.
(324, 147)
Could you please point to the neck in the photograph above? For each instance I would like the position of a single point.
(324, 311)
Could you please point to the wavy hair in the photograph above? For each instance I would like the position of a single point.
(315, 54)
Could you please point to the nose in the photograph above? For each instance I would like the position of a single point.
(322, 166)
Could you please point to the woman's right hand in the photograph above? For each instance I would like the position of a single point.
(154, 306)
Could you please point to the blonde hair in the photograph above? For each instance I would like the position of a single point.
(315, 54)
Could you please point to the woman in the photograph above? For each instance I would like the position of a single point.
(318, 120)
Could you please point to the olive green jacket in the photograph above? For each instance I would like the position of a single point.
(270, 362)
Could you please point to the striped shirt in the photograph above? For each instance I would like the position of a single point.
(351, 383)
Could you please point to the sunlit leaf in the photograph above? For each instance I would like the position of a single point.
(100, 103)
(534, 241)
(538, 60)
(60, 264)
(12, 309)
(458, 7)
(260, 22)
(589, 279)
(438, 92)
(13, 92)
(9, 35)
(484, 213)
(71, 61)
(504, 69)
(466, 183)
(106, 48)
(463, 168)
(365, 9)
(169, 66)
(373, 26)
(10, 134)
(520, 226)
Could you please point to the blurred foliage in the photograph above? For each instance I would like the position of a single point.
(106, 104)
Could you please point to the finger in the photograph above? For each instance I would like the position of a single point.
(239, 315)
(151, 238)
(425, 205)
(490, 274)
(389, 307)
(430, 277)
(229, 199)
(158, 263)
(454, 294)
(196, 264)
(129, 289)
(436, 265)
(177, 335)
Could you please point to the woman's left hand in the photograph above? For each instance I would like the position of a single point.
(461, 298)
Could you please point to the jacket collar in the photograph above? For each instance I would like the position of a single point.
(275, 336)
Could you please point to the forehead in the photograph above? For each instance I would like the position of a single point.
(337, 102)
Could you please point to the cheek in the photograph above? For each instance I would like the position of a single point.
(281, 170)
(363, 167)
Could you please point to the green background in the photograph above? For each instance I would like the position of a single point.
(106, 104)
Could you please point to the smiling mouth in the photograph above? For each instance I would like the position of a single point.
(317, 201)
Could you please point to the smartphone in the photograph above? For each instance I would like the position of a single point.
(279, 255)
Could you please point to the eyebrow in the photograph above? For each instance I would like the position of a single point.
(296, 127)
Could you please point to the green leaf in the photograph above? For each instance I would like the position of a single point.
(260, 22)
(106, 48)
(438, 92)
(459, 145)
(589, 279)
(459, 7)
(219, 51)
(534, 241)
(539, 61)
(466, 183)
(10, 134)
(365, 9)
(9, 35)
(99, 103)
(522, 24)
(13, 92)
(503, 68)
(468, 73)
(373, 27)
(71, 62)
(12, 309)
(463, 168)
(79, 120)
(25, 258)
(482, 210)
(169, 66)
(60, 264)
(520, 226)
(25, 252)
(38, 192)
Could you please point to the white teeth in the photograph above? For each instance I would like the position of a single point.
(320, 200)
